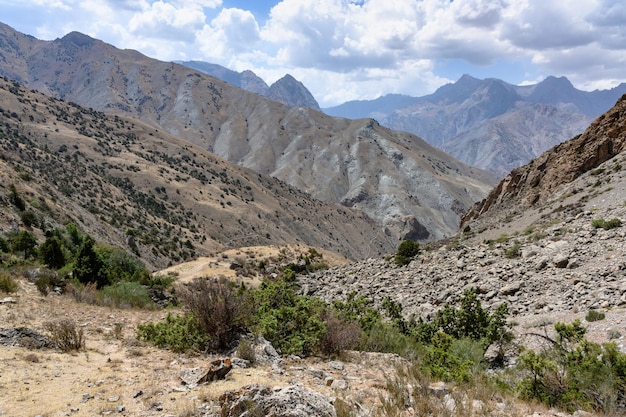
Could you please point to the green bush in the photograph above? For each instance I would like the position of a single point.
(594, 315)
(513, 251)
(357, 309)
(407, 250)
(606, 224)
(385, 337)
(51, 253)
(126, 295)
(295, 327)
(88, 266)
(441, 363)
(4, 245)
(28, 218)
(23, 241)
(177, 333)
(118, 265)
(575, 373)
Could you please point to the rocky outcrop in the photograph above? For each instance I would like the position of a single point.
(25, 337)
(292, 401)
(216, 369)
(536, 182)
(563, 262)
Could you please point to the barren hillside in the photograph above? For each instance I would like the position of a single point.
(410, 188)
(140, 188)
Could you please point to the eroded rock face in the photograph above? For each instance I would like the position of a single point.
(293, 401)
(25, 337)
(534, 183)
(562, 264)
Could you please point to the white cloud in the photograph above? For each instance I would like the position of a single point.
(233, 34)
(547, 24)
(168, 20)
(349, 49)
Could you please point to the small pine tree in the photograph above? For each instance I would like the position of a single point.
(89, 267)
(24, 241)
(51, 253)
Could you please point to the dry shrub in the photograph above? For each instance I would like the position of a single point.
(7, 282)
(215, 305)
(84, 293)
(246, 351)
(31, 357)
(65, 335)
(340, 335)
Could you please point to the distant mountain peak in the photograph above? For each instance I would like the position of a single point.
(292, 92)
(78, 39)
(466, 78)
(287, 90)
(557, 82)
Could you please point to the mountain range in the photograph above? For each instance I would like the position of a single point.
(132, 186)
(489, 123)
(287, 90)
(408, 187)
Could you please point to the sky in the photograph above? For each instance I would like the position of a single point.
(356, 49)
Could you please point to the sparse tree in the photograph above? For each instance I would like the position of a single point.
(51, 253)
(407, 250)
(89, 267)
(15, 198)
(24, 241)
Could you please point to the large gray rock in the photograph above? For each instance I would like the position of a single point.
(293, 401)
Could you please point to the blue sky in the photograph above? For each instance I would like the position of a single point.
(357, 49)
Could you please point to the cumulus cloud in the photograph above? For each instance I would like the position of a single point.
(544, 25)
(168, 20)
(478, 13)
(347, 49)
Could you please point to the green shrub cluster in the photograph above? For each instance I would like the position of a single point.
(594, 315)
(293, 323)
(469, 325)
(177, 333)
(407, 250)
(76, 261)
(574, 373)
(451, 346)
(606, 224)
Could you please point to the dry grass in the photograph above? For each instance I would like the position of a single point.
(220, 263)
(143, 379)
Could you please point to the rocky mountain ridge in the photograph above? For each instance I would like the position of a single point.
(549, 238)
(130, 185)
(489, 123)
(287, 89)
(411, 189)
(533, 184)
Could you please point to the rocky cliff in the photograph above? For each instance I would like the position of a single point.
(532, 184)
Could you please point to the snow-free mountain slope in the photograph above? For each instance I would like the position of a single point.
(410, 188)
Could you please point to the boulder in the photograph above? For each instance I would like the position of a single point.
(215, 370)
(293, 401)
